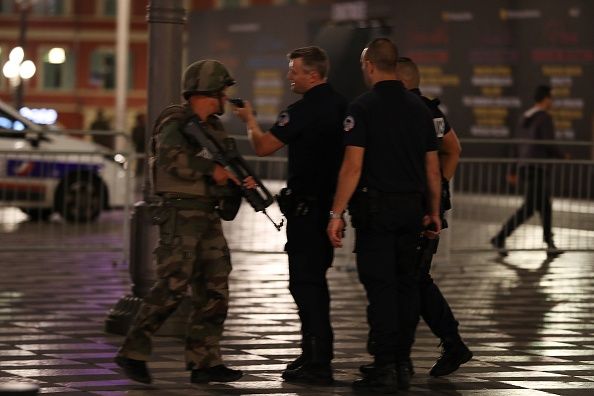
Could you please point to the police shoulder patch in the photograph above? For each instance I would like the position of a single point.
(283, 118)
(439, 125)
(348, 123)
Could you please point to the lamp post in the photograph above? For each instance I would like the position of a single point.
(166, 19)
(17, 70)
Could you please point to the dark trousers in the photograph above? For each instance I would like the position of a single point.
(537, 197)
(387, 262)
(434, 308)
(310, 255)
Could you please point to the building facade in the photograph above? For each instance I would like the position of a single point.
(84, 81)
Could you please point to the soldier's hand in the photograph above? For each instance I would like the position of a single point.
(335, 232)
(250, 183)
(221, 175)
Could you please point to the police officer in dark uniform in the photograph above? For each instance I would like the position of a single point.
(390, 174)
(312, 128)
(435, 309)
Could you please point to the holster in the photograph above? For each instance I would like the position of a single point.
(446, 202)
(428, 248)
(364, 207)
(294, 205)
(230, 202)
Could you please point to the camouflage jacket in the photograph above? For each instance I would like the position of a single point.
(179, 165)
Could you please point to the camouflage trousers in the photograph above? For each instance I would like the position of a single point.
(193, 252)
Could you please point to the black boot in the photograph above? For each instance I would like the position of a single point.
(384, 379)
(403, 374)
(134, 369)
(315, 371)
(300, 361)
(369, 368)
(310, 373)
(220, 373)
(498, 242)
(454, 354)
(552, 250)
(305, 354)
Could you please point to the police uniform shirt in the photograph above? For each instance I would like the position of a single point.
(440, 122)
(396, 130)
(312, 128)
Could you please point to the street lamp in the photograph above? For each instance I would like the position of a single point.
(17, 68)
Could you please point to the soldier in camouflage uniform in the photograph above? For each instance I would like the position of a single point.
(192, 249)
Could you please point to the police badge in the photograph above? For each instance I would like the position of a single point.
(283, 119)
(348, 123)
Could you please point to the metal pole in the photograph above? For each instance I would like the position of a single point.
(122, 43)
(166, 20)
(24, 7)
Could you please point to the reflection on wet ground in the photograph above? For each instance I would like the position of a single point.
(528, 319)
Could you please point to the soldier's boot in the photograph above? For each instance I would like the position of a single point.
(315, 371)
(384, 379)
(220, 373)
(454, 354)
(367, 369)
(134, 369)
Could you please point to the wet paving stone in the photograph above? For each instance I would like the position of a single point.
(528, 320)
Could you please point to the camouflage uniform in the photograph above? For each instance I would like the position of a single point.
(192, 249)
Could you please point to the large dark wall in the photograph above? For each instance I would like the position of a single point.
(482, 58)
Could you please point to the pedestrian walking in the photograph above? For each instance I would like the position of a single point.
(535, 124)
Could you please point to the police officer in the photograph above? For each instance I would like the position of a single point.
(435, 310)
(390, 168)
(311, 127)
(192, 249)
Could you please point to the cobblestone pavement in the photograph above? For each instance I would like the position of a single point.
(528, 320)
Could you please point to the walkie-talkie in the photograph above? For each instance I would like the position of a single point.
(238, 102)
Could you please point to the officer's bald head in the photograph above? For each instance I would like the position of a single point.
(383, 53)
(408, 72)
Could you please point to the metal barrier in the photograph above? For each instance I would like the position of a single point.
(57, 200)
(488, 191)
(63, 193)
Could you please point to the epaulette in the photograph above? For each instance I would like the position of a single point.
(435, 102)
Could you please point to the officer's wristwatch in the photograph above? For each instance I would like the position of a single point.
(336, 215)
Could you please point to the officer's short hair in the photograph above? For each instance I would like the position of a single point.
(383, 53)
(408, 72)
(313, 58)
(542, 92)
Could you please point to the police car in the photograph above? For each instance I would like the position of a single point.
(43, 171)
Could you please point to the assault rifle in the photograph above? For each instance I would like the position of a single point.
(229, 157)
